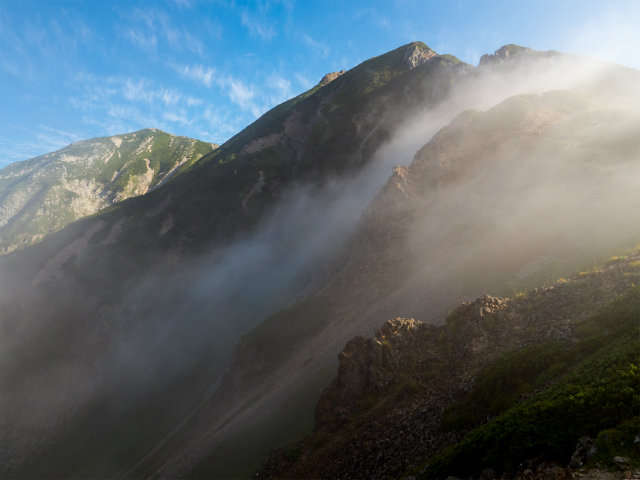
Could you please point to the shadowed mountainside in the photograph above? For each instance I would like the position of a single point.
(505, 384)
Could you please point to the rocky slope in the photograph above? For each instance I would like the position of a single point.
(42, 195)
(498, 201)
(403, 396)
(169, 275)
(150, 298)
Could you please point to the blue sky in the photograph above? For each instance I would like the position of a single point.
(72, 70)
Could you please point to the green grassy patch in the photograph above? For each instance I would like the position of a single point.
(601, 392)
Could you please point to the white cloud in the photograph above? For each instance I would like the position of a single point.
(176, 117)
(242, 95)
(170, 97)
(144, 41)
(281, 88)
(258, 28)
(198, 73)
(149, 26)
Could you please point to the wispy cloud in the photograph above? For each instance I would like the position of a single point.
(44, 139)
(179, 116)
(241, 93)
(304, 81)
(192, 101)
(280, 88)
(183, 4)
(146, 41)
(197, 73)
(322, 49)
(117, 104)
(258, 27)
(149, 26)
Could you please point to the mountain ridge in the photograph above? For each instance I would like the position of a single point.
(394, 405)
(285, 242)
(41, 195)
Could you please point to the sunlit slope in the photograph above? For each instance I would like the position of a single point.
(44, 194)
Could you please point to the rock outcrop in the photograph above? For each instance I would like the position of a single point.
(330, 77)
(416, 54)
(384, 411)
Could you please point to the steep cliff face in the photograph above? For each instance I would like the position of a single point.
(44, 194)
(404, 395)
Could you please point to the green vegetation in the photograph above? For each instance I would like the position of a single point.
(600, 390)
(86, 177)
(502, 385)
(619, 441)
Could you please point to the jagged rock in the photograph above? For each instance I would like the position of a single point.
(511, 52)
(388, 399)
(330, 77)
(417, 54)
(585, 449)
(621, 461)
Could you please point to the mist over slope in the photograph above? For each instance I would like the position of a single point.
(42, 195)
(131, 317)
(506, 387)
(138, 306)
(496, 201)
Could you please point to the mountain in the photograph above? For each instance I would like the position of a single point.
(505, 385)
(497, 201)
(189, 331)
(42, 195)
(158, 286)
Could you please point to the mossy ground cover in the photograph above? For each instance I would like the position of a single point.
(599, 391)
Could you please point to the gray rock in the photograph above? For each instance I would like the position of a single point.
(585, 449)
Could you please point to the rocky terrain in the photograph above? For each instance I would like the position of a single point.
(188, 331)
(397, 397)
(44, 194)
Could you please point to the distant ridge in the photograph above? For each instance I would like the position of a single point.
(42, 195)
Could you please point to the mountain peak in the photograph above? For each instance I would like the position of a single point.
(512, 51)
(330, 77)
(417, 53)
